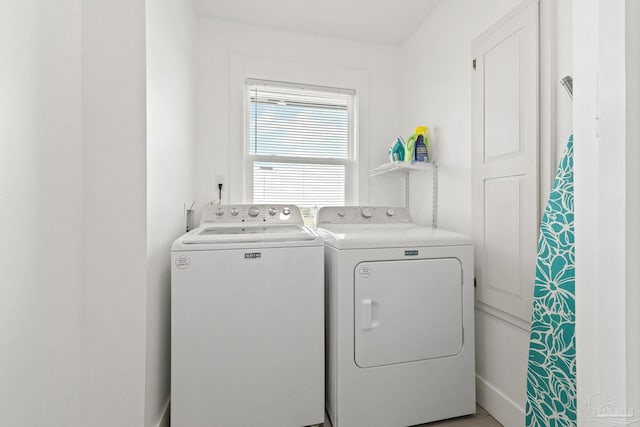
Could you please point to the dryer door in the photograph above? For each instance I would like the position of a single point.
(407, 310)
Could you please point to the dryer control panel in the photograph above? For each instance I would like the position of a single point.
(364, 215)
(252, 214)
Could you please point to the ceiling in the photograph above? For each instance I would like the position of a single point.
(375, 21)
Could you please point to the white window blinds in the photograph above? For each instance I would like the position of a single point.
(300, 144)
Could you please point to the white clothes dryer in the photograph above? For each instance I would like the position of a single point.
(247, 320)
(399, 319)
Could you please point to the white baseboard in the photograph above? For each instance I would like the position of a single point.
(499, 405)
(164, 417)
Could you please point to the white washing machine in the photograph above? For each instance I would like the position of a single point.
(247, 320)
(399, 322)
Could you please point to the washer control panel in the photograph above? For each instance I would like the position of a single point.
(257, 214)
(363, 215)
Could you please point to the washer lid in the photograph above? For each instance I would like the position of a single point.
(249, 233)
(371, 236)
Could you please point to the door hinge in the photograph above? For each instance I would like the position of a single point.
(475, 282)
(473, 63)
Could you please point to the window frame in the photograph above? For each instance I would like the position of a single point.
(350, 163)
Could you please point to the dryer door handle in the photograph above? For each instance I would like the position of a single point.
(369, 314)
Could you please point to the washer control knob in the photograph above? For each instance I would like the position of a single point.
(235, 211)
(286, 211)
(219, 212)
(390, 212)
(367, 212)
(272, 211)
(341, 213)
(253, 211)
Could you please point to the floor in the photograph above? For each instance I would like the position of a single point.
(480, 419)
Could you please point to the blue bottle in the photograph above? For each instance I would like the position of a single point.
(420, 150)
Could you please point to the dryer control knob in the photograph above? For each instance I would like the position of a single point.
(286, 211)
(235, 211)
(253, 211)
(341, 213)
(272, 211)
(219, 212)
(390, 212)
(367, 212)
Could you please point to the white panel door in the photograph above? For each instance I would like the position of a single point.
(505, 160)
(407, 310)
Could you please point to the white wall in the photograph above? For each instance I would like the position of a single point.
(228, 52)
(607, 207)
(40, 212)
(632, 104)
(170, 183)
(84, 320)
(564, 66)
(114, 207)
(436, 91)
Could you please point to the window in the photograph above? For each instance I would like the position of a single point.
(300, 145)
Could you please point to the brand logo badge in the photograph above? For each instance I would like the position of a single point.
(411, 253)
(182, 262)
(365, 271)
(252, 255)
